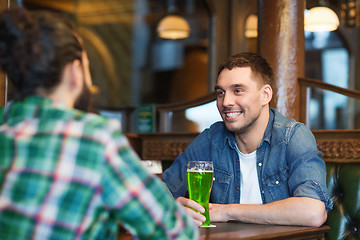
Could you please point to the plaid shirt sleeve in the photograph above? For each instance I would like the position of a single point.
(140, 200)
(56, 184)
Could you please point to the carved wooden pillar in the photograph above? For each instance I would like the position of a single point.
(281, 42)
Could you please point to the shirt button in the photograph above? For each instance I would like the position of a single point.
(277, 182)
(263, 191)
(260, 164)
(237, 188)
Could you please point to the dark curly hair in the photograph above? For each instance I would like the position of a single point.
(258, 65)
(35, 46)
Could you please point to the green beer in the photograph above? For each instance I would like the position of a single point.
(199, 186)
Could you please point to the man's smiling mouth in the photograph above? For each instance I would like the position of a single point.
(232, 114)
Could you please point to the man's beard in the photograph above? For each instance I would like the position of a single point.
(84, 101)
(245, 126)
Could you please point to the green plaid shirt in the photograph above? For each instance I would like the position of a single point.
(66, 174)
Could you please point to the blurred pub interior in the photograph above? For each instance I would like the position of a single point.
(132, 66)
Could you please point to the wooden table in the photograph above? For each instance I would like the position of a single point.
(236, 230)
(247, 231)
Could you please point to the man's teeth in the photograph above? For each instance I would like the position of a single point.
(232, 114)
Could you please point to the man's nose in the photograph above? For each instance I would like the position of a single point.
(228, 100)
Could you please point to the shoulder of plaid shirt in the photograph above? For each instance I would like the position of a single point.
(66, 174)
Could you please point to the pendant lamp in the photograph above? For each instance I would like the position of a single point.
(251, 26)
(321, 19)
(173, 27)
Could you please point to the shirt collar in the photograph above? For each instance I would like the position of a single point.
(268, 130)
(230, 138)
(39, 100)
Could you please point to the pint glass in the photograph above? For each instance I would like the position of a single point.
(200, 178)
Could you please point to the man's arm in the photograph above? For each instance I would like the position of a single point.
(291, 211)
(140, 200)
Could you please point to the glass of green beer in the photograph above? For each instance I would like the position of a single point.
(199, 179)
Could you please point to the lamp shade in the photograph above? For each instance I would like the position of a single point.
(251, 26)
(173, 27)
(321, 19)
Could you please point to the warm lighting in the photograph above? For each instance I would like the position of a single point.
(321, 19)
(94, 89)
(251, 26)
(173, 27)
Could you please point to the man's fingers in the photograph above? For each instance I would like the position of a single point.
(198, 223)
(190, 203)
(198, 217)
(192, 208)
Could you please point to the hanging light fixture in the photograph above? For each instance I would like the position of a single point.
(321, 19)
(173, 27)
(251, 26)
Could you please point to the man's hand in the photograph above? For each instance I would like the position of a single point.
(193, 209)
(218, 212)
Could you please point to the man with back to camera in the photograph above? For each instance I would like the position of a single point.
(267, 168)
(64, 173)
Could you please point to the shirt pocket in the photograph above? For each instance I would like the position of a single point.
(221, 186)
(276, 184)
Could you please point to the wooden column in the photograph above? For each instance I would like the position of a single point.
(281, 42)
(3, 89)
(3, 82)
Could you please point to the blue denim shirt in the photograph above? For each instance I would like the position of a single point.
(288, 163)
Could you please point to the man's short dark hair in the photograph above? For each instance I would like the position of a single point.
(35, 46)
(257, 64)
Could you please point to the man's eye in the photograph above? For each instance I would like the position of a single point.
(237, 90)
(220, 93)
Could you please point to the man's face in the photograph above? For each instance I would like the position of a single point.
(84, 100)
(239, 99)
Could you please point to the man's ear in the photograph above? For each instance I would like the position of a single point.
(267, 93)
(76, 74)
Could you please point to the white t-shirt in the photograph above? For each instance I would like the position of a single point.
(249, 183)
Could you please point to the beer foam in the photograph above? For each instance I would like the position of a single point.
(202, 171)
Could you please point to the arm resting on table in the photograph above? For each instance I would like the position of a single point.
(302, 211)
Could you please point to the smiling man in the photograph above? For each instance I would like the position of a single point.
(267, 168)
